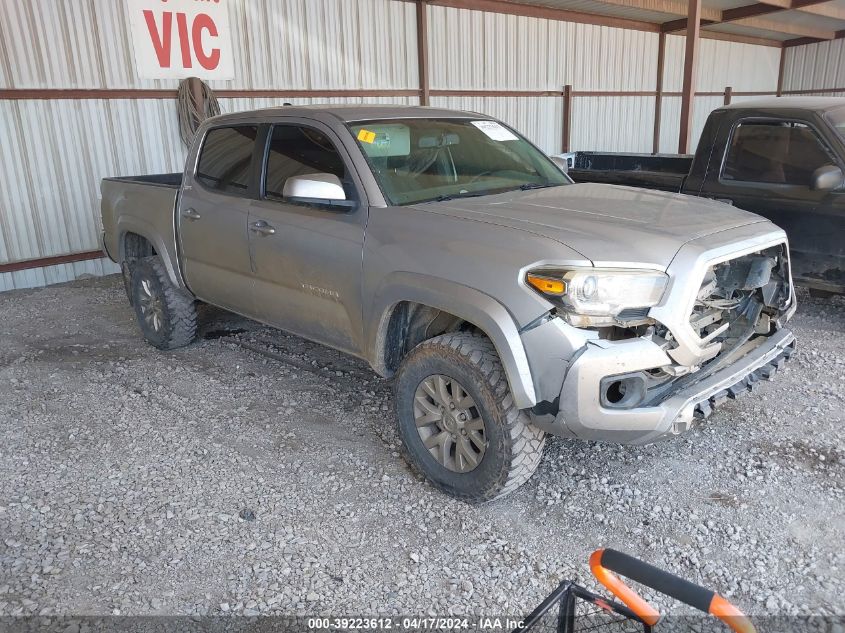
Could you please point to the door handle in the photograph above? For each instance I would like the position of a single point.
(262, 228)
(191, 214)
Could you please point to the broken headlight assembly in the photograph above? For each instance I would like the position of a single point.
(594, 297)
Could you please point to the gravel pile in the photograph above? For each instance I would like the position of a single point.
(256, 473)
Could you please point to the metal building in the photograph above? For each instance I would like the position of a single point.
(570, 74)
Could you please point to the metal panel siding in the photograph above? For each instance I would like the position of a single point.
(54, 154)
(296, 44)
(507, 52)
(670, 125)
(746, 67)
(56, 274)
(815, 66)
(540, 120)
(626, 124)
(627, 121)
(670, 121)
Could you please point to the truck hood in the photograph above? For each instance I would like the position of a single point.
(607, 224)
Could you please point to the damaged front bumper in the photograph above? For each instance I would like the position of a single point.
(583, 413)
(659, 383)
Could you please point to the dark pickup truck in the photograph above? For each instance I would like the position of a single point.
(783, 158)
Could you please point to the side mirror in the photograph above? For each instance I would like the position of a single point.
(826, 178)
(318, 189)
(565, 161)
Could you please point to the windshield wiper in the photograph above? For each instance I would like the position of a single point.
(452, 196)
(535, 185)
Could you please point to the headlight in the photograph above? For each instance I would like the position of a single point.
(591, 297)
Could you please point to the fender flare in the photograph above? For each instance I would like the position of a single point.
(469, 304)
(130, 224)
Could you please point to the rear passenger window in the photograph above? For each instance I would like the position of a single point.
(296, 151)
(776, 152)
(225, 162)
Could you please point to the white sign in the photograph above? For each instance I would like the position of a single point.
(174, 39)
(495, 130)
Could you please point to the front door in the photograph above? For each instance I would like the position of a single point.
(307, 258)
(212, 219)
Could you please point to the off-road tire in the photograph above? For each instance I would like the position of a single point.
(179, 315)
(514, 445)
(126, 276)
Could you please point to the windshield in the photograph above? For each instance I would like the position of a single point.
(837, 119)
(421, 160)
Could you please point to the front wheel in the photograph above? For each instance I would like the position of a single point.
(458, 422)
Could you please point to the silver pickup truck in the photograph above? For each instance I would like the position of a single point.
(452, 255)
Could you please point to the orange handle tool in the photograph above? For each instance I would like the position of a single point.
(603, 562)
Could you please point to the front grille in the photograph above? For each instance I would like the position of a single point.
(742, 297)
(632, 314)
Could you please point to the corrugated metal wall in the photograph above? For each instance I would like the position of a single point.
(743, 67)
(54, 153)
(507, 52)
(290, 44)
(815, 66)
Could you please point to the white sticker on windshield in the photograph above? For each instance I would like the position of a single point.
(495, 130)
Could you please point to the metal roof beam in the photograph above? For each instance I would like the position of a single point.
(672, 7)
(787, 28)
(825, 9)
(708, 16)
(783, 4)
(746, 15)
(674, 26)
(733, 37)
(509, 7)
(800, 41)
(690, 75)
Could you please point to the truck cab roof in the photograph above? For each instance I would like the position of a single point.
(349, 113)
(820, 104)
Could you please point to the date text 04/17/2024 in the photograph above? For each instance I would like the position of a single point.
(414, 623)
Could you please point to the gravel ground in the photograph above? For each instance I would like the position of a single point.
(254, 472)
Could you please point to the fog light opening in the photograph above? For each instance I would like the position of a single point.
(615, 392)
(623, 392)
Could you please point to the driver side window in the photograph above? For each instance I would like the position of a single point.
(296, 151)
(774, 152)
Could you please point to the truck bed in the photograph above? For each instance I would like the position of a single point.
(142, 205)
(665, 172)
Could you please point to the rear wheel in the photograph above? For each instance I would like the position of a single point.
(167, 316)
(459, 425)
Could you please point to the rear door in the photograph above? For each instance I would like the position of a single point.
(768, 169)
(307, 259)
(212, 218)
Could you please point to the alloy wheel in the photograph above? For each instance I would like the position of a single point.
(152, 308)
(449, 423)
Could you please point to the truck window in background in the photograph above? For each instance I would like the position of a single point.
(175, 39)
(295, 151)
(775, 152)
(225, 162)
(836, 117)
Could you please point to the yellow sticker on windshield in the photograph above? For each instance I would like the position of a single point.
(365, 136)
